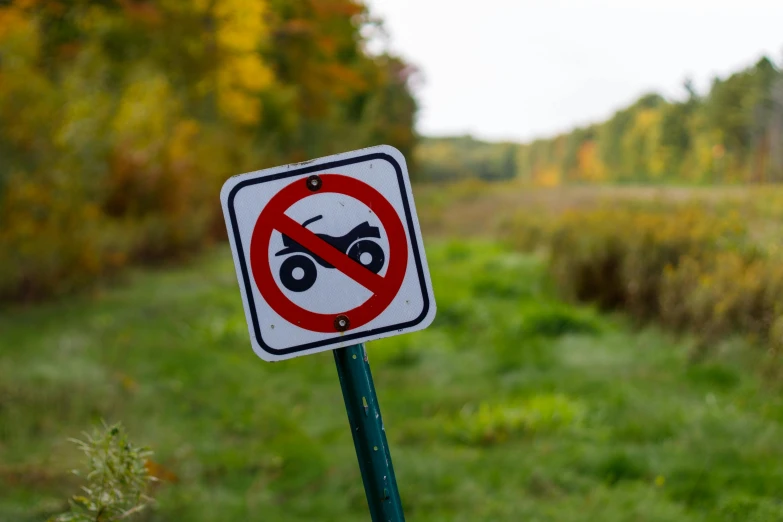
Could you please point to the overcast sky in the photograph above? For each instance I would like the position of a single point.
(506, 69)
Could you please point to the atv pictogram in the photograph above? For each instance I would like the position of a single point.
(356, 244)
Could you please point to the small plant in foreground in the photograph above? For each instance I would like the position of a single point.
(117, 478)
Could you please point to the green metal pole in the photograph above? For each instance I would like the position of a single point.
(369, 437)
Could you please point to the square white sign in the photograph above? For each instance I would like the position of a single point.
(328, 252)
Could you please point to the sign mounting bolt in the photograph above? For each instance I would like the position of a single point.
(314, 183)
(341, 323)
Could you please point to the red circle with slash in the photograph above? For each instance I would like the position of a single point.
(383, 288)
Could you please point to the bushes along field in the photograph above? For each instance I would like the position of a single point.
(714, 269)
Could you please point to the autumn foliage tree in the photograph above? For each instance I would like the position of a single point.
(119, 120)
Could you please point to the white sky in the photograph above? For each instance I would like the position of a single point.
(505, 69)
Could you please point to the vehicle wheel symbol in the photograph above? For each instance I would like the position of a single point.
(298, 273)
(369, 254)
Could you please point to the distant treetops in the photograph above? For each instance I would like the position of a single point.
(731, 134)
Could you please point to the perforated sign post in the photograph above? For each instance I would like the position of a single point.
(329, 255)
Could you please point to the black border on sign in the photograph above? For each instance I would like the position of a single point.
(246, 273)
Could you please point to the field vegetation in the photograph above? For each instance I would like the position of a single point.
(610, 322)
(712, 267)
(513, 405)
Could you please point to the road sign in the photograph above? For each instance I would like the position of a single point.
(328, 253)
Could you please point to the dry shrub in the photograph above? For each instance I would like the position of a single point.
(690, 266)
(730, 292)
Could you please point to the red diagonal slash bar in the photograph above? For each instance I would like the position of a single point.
(371, 281)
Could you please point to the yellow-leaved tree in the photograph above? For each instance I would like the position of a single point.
(120, 119)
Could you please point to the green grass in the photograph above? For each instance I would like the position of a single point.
(512, 406)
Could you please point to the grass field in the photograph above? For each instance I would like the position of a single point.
(513, 406)
(478, 209)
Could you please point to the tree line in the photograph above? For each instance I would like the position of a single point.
(731, 134)
(120, 119)
(463, 157)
